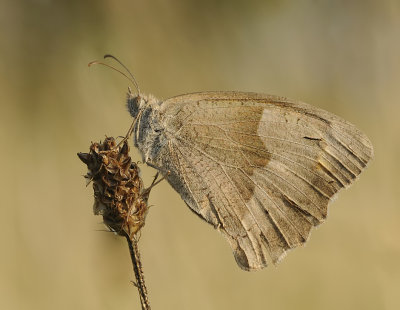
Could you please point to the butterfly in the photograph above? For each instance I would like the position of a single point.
(260, 169)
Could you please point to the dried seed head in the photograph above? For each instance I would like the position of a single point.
(118, 189)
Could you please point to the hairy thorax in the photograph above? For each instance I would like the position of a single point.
(149, 134)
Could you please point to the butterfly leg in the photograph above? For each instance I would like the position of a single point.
(154, 183)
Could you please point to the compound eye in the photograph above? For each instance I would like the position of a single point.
(133, 105)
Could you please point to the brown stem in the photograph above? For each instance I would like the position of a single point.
(137, 268)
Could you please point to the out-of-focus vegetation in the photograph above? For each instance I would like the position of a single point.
(342, 56)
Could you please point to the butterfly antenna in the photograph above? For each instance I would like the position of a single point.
(130, 74)
(115, 69)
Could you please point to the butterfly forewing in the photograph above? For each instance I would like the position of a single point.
(262, 169)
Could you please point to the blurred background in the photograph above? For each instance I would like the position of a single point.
(342, 56)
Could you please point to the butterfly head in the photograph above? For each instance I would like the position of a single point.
(136, 103)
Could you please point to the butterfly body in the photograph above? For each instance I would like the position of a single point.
(262, 169)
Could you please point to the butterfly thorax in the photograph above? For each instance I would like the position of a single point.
(148, 134)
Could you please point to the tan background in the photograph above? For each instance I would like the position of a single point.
(339, 55)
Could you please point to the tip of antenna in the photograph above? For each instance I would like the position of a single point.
(94, 62)
(131, 78)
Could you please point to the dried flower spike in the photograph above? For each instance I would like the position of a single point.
(118, 189)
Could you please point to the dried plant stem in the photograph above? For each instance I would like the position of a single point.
(120, 197)
(137, 268)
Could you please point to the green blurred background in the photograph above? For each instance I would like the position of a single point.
(342, 56)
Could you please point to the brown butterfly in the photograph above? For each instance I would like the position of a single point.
(261, 169)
